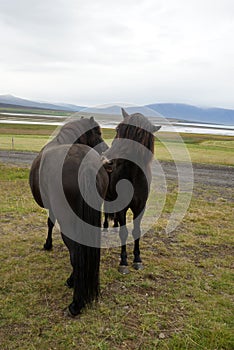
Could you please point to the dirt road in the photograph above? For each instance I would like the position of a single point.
(205, 174)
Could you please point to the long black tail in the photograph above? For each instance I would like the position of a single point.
(85, 255)
(86, 279)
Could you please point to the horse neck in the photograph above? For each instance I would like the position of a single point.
(132, 170)
(144, 157)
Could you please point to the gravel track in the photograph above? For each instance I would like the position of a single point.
(212, 175)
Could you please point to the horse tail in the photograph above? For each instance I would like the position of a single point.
(87, 252)
(86, 277)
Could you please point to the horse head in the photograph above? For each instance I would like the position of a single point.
(134, 129)
(84, 131)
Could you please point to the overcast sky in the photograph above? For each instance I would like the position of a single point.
(93, 52)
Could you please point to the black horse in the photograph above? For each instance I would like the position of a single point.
(131, 154)
(60, 176)
(73, 132)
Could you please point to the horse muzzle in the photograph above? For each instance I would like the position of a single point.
(108, 164)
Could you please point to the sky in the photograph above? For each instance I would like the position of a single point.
(91, 52)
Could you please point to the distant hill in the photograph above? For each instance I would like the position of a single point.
(9, 100)
(194, 114)
(177, 111)
(70, 107)
(116, 110)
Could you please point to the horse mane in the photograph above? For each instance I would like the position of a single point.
(71, 132)
(138, 128)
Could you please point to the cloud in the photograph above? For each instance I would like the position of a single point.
(94, 52)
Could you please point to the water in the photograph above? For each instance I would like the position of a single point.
(32, 115)
(210, 129)
(27, 122)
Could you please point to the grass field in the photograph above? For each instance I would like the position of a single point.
(202, 148)
(183, 299)
(26, 111)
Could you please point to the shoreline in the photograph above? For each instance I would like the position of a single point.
(177, 127)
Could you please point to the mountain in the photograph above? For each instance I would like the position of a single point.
(116, 110)
(70, 107)
(16, 101)
(190, 113)
(177, 111)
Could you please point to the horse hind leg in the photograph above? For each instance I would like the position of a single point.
(70, 281)
(50, 223)
(71, 246)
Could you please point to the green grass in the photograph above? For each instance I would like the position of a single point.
(23, 142)
(210, 149)
(31, 137)
(26, 111)
(181, 300)
(27, 129)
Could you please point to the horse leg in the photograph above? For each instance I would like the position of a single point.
(105, 224)
(50, 223)
(137, 262)
(70, 281)
(123, 233)
(116, 223)
(86, 277)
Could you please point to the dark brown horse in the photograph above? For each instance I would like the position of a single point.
(60, 177)
(81, 131)
(131, 153)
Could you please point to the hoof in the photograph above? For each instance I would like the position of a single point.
(68, 313)
(47, 246)
(73, 310)
(105, 229)
(138, 266)
(123, 269)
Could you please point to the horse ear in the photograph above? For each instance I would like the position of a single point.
(124, 113)
(156, 128)
(92, 120)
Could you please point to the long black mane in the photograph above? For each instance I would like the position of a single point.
(136, 127)
(76, 131)
(139, 129)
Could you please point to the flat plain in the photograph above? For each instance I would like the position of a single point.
(183, 299)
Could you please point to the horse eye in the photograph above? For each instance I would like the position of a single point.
(97, 131)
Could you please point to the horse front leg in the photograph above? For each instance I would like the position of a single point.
(106, 222)
(137, 262)
(123, 233)
(116, 223)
